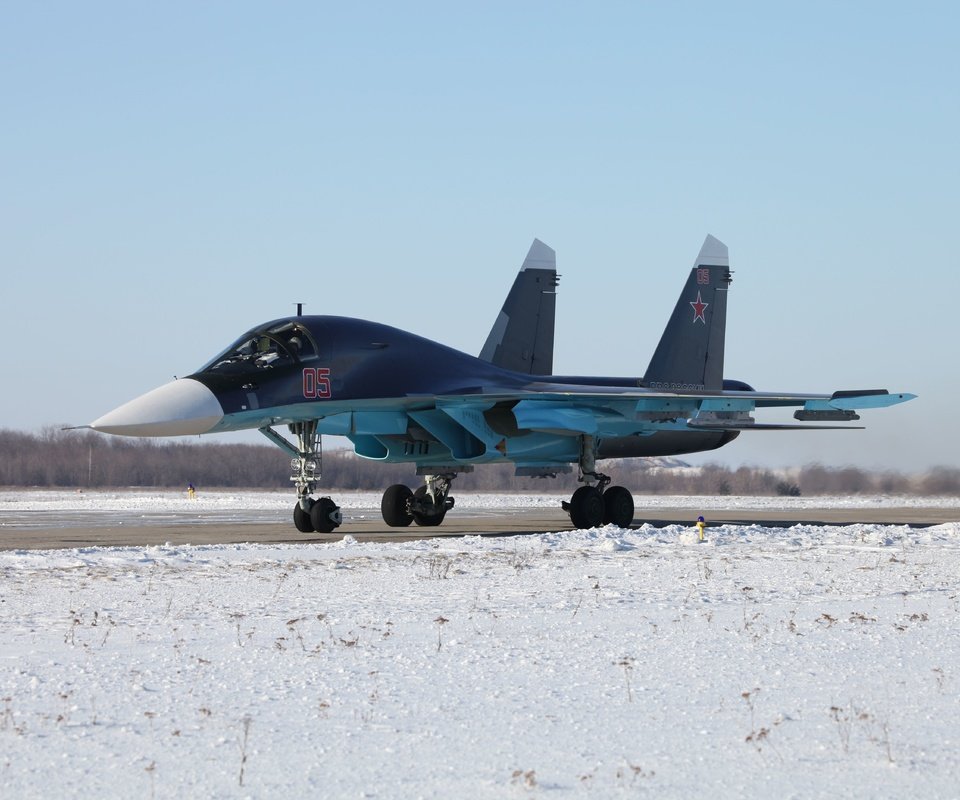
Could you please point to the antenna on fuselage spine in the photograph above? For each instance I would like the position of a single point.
(299, 309)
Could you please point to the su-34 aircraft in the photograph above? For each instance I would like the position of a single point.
(399, 397)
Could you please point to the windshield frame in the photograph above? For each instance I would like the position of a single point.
(250, 355)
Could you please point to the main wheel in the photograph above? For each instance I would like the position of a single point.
(325, 515)
(586, 507)
(427, 520)
(395, 506)
(618, 507)
(301, 518)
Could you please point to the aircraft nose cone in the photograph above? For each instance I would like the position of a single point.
(180, 408)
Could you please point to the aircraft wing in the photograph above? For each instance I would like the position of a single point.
(613, 411)
(601, 411)
(538, 426)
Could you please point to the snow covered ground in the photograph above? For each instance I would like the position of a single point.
(766, 662)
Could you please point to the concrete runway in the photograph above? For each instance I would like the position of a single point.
(134, 532)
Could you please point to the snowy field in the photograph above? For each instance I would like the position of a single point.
(766, 662)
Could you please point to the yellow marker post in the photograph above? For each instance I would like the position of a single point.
(191, 492)
(701, 524)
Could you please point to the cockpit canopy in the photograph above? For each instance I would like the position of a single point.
(276, 344)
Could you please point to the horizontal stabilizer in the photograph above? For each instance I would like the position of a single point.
(873, 398)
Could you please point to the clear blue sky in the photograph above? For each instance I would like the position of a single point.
(172, 174)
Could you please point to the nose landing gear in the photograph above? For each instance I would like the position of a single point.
(309, 515)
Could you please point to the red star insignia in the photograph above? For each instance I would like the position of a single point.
(698, 308)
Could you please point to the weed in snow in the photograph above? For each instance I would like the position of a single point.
(627, 663)
(940, 677)
(527, 779)
(440, 622)
(243, 747)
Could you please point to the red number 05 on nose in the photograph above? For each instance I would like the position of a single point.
(316, 383)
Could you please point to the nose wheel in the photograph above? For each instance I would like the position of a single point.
(301, 518)
(324, 516)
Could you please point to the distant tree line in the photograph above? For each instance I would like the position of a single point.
(84, 459)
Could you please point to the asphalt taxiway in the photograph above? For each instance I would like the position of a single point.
(28, 533)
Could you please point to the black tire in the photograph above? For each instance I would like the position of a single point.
(618, 507)
(301, 518)
(394, 506)
(586, 507)
(324, 515)
(427, 520)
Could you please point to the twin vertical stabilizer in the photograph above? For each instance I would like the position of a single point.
(689, 356)
(522, 337)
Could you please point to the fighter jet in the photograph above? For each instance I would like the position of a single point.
(399, 397)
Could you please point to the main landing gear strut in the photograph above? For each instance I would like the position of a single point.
(309, 515)
(591, 505)
(427, 506)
